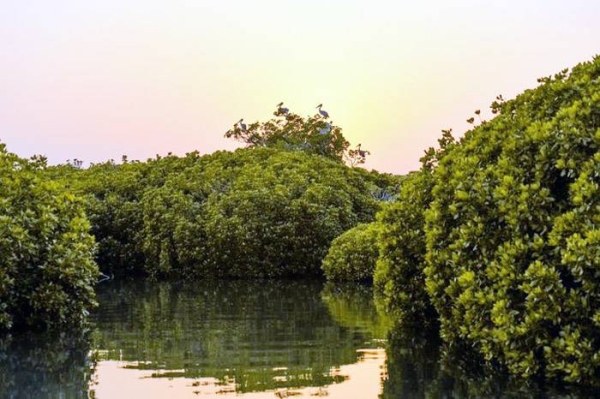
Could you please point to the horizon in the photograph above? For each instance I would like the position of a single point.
(98, 81)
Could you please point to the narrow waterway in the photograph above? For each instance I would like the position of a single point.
(242, 339)
(230, 338)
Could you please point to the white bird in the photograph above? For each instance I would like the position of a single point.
(281, 109)
(325, 130)
(242, 125)
(324, 114)
(104, 277)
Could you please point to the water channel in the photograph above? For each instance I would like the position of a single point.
(248, 340)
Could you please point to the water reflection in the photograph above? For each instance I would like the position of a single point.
(246, 336)
(43, 366)
(252, 339)
(352, 305)
(419, 366)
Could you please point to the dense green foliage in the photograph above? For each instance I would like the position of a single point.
(291, 132)
(353, 254)
(255, 212)
(46, 253)
(496, 237)
(399, 277)
(281, 214)
(501, 228)
(513, 231)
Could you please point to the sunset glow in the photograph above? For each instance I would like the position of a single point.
(96, 80)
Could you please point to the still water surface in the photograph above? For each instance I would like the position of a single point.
(232, 338)
(248, 340)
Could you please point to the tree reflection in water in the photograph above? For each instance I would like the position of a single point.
(419, 366)
(263, 335)
(278, 337)
(45, 366)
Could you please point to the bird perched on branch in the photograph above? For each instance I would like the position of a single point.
(362, 153)
(242, 124)
(281, 110)
(324, 114)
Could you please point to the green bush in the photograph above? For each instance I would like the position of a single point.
(291, 132)
(255, 212)
(513, 232)
(47, 270)
(353, 254)
(115, 196)
(399, 279)
(279, 214)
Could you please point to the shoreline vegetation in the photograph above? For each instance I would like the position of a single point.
(494, 243)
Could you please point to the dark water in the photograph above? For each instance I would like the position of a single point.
(242, 339)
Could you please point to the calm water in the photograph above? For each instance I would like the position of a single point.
(240, 339)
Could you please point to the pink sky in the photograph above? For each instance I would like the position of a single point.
(96, 80)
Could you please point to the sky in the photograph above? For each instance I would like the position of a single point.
(95, 80)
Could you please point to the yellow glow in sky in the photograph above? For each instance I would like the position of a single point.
(95, 80)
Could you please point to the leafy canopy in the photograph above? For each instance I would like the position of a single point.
(353, 254)
(289, 131)
(512, 232)
(47, 270)
(255, 212)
